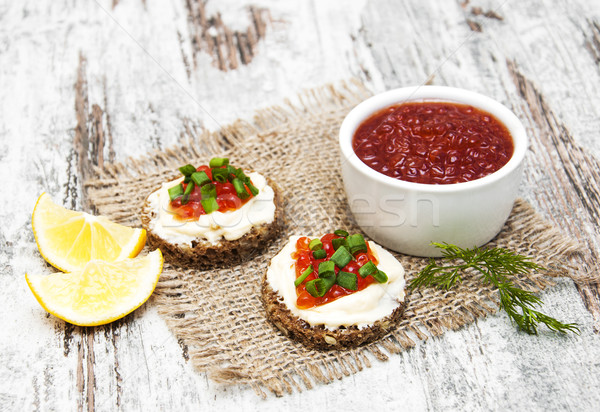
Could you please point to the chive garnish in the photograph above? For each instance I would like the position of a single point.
(380, 276)
(356, 243)
(253, 189)
(340, 232)
(230, 176)
(319, 254)
(186, 195)
(187, 170)
(200, 178)
(315, 244)
(303, 276)
(239, 173)
(339, 241)
(240, 189)
(208, 191)
(175, 192)
(347, 280)
(327, 270)
(220, 175)
(341, 257)
(319, 287)
(209, 205)
(218, 162)
(367, 269)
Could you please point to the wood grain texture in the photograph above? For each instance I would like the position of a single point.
(579, 173)
(228, 48)
(90, 84)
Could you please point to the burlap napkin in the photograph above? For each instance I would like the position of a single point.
(217, 314)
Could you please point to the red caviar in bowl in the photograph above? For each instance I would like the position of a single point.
(433, 142)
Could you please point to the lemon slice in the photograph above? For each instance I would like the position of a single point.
(68, 240)
(99, 293)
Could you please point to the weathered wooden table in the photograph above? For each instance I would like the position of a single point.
(89, 83)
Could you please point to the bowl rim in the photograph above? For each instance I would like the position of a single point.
(434, 94)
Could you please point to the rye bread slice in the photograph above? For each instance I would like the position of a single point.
(319, 337)
(203, 254)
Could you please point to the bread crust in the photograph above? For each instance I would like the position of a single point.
(319, 337)
(203, 254)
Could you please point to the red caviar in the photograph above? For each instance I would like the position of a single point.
(433, 142)
(304, 258)
(227, 199)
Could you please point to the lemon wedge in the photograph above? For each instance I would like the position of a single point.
(68, 240)
(99, 293)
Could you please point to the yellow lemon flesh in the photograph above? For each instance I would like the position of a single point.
(99, 293)
(68, 240)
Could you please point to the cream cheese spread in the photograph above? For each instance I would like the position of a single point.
(361, 309)
(213, 227)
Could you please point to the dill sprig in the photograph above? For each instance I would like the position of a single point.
(495, 265)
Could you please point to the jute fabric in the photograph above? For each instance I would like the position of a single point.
(217, 315)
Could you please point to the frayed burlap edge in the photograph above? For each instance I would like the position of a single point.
(430, 312)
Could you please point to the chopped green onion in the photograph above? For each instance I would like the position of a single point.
(239, 173)
(303, 276)
(327, 270)
(208, 191)
(315, 244)
(219, 175)
(340, 232)
(200, 178)
(175, 192)
(240, 189)
(319, 254)
(253, 189)
(357, 243)
(187, 170)
(187, 179)
(231, 173)
(218, 162)
(186, 195)
(319, 287)
(380, 276)
(339, 241)
(347, 280)
(367, 269)
(341, 257)
(209, 205)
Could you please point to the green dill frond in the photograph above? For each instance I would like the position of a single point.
(496, 266)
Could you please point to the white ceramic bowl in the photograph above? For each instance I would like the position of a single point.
(406, 216)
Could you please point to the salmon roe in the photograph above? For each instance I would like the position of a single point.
(433, 142)
(304, 258)
(227, 199)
